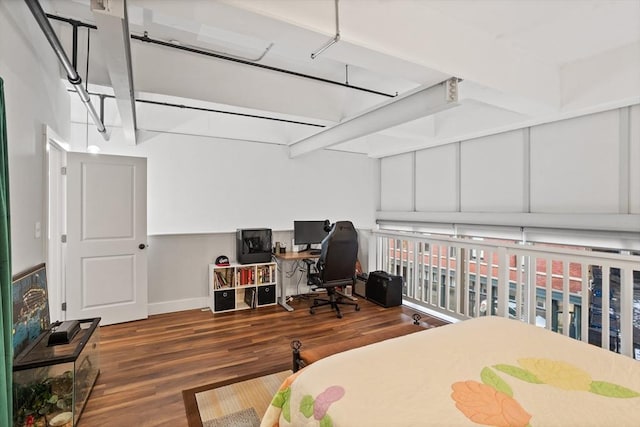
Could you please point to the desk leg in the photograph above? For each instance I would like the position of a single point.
(283, 303)
(282, 298)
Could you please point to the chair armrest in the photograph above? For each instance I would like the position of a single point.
(309, 261)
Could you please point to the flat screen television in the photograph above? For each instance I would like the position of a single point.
(309, 232)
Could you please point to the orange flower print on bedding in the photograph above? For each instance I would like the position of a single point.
(485, 405)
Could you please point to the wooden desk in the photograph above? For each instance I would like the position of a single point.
(295, 256)
(286, 257)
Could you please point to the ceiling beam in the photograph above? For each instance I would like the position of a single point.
(113, 33)
(414, 105)
(417, 33)
(234, 84)
(511, 126)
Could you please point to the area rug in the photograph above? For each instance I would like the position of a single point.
(238, 402)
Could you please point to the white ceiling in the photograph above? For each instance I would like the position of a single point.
(521, 62)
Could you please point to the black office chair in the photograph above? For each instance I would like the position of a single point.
(336, 266)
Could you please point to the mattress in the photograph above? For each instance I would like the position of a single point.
(484, 371)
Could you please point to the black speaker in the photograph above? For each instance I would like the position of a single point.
(384, 289)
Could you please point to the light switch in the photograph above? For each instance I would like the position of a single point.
(38, 230)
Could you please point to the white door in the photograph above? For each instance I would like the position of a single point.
(106, 237)
(56, 223)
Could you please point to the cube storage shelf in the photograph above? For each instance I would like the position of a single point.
(242, 286)
(51, 384)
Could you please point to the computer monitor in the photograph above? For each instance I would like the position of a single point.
(309, 232)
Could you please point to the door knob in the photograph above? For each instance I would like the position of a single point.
(142, 246)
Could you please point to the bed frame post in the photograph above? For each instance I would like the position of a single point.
(296, 345)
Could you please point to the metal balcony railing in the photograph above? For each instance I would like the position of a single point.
(565, 289)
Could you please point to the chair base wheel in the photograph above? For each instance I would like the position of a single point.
(357, 308)
(312, 311)
(339, 316)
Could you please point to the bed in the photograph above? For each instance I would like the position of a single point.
(484, 371)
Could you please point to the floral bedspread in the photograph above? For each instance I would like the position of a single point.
(486, 371)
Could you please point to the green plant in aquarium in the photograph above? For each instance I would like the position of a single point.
(35, 401)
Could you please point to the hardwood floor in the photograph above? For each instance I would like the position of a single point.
(146, 364)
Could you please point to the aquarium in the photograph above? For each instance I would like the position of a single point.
(51, 384)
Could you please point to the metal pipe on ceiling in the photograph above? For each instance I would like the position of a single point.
(72, 74)
(208, 110)
(145, 38)
(331, 42)
(74, 52)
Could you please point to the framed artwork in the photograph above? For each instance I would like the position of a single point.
(30, 307)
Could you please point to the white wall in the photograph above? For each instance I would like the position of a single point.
(575, 165)
(488, 182)
(437, 179)
(34, 97)
(397, 185)
(207, 185)
(201, 189)
(576, 173)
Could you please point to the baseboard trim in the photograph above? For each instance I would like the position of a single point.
(177, 305)
(430, 312)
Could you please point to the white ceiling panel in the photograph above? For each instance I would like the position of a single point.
(521, 61)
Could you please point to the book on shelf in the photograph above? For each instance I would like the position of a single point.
(265, 273)
(250, 297)
(229, 277)
(220, 280)
(223, 278)
(246, 276)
